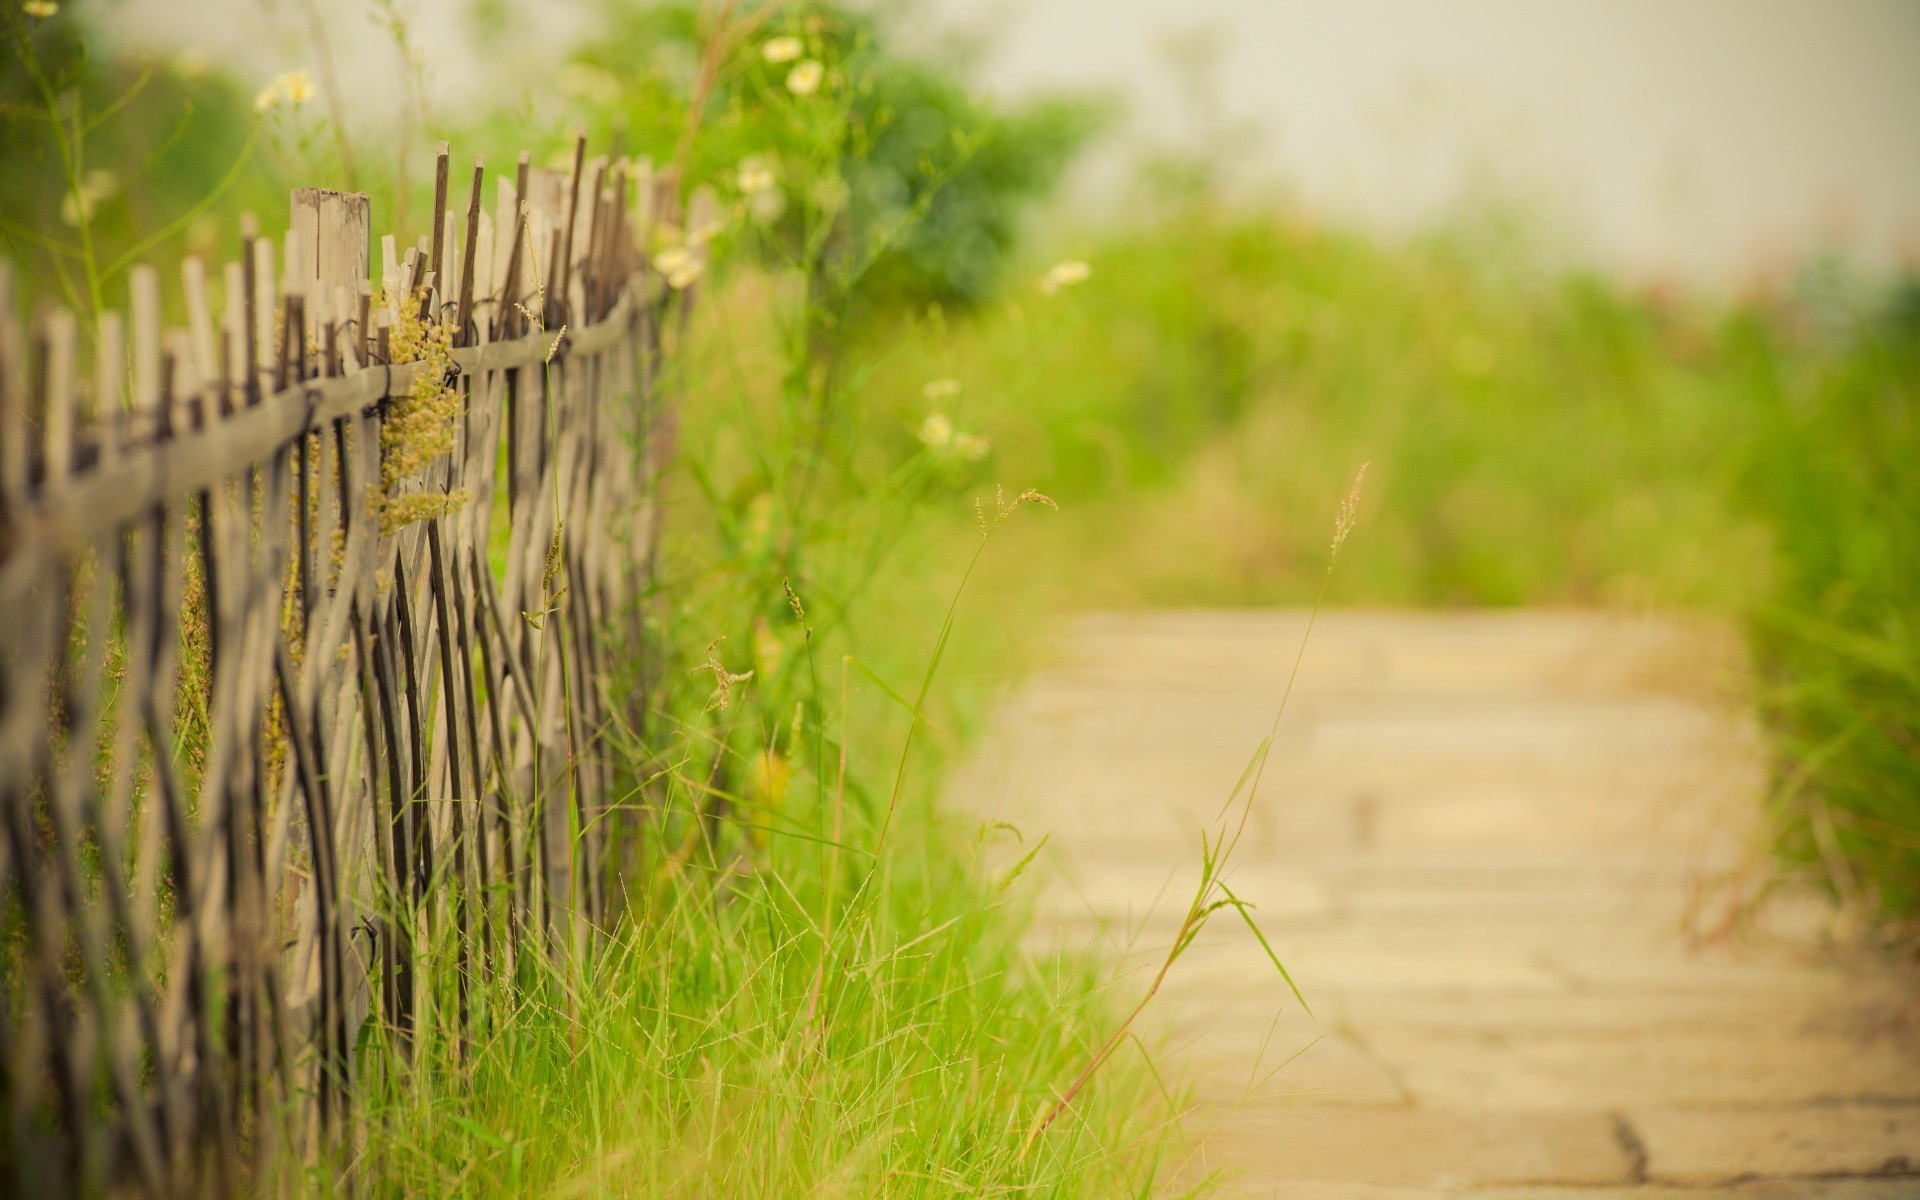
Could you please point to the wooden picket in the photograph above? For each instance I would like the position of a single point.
(308, 620)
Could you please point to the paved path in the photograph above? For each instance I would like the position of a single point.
(1477, 848)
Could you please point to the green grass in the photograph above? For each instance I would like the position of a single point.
(821, 988)
(696, 1058)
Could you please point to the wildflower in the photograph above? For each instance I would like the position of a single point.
(40, 10)
(679, 266)
(936, 431)
(288, 87)
(941, 389)
(781, 49)
(79, 205)
(971, 447)
(804, 80)
(1064, 274)
(755, 174)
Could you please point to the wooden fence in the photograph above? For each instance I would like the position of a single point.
(312, 622)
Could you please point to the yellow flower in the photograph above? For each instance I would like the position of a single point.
(804, 80)
(941, 389)
(679, 267)
(288, 87)
(781, 49)
(971, 447)
(40, 10)
(1064, 274)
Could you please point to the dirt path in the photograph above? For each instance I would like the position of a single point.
(1476, 850)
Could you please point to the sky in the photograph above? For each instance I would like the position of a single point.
(1710, 142)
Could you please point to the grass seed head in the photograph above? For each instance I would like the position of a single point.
(1349, 509)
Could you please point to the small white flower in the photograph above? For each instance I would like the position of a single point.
(804, 80)
(941, 389)
(781, 49)
(936, 431)
(1065, 274)
(767, 207)
(267, 97)
(755, 174)
(970, 447)
(39, 10)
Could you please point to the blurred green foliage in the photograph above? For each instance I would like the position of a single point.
(1536, 437)
(106, 161)
(1836, 473)
(922, 182)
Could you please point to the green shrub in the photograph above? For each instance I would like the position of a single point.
(1836, 472)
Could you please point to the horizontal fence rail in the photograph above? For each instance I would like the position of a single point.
(308, 622)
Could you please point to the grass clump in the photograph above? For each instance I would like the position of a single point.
(699, 1055)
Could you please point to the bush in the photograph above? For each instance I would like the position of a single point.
(919, 182)
(1838, 637)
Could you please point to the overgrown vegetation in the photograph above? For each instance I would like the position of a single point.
(822, 990)
(1538, 438)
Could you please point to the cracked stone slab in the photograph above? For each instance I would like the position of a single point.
(1411, 1147)
(1720, 1143)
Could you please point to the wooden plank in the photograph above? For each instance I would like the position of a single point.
(144, 286)
(105, 416)
(262, 306)
(59, 418)
(233, 339)
(436, 263)
(336, 228)
(467, 258)
(563, 266)
(13, 401)
(193, 280)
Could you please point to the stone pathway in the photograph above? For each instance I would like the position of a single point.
(1478, 846)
